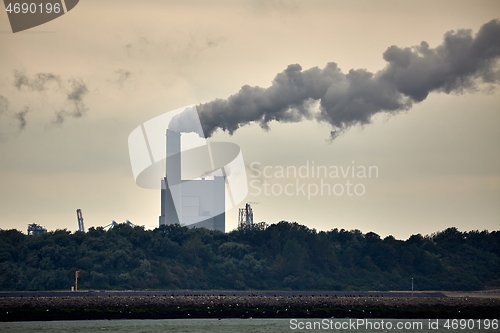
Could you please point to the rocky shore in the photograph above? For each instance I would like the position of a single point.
(163, 307)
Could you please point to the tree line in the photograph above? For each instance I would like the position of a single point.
(281, 256)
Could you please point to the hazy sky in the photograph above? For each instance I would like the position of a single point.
(73, 89)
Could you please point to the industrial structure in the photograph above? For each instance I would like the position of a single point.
(76, 280)
(245, 216)
(193, 203)
(114, 224)
(36, 229)
(79, 217)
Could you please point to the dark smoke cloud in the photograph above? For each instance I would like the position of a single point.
(4, 104)
(123, 75)
(75, 91)
(39, 81)
(21, 118)
(60, 117)
(75, 96)
(457, 65)
(78, 91)
(183, 122)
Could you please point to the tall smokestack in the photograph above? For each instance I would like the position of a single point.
(170, 189)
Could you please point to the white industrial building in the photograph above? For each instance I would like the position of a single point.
(195, 202)
(200, 180)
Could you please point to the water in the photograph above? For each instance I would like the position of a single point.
(245, 325)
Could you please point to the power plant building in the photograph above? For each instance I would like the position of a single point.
(200, 180)
(198, 202)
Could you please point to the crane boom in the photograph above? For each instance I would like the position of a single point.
(79, 217)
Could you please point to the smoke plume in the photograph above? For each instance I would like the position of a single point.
(4, 104)
(74, 91)
(6, 113)
(459, 64)
(123, 75)
(75, 97)
(78, 91)
(185, 121)
(21, 118)
(38, 83)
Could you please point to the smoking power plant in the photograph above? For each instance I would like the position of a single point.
(199, 181)
(461, 63)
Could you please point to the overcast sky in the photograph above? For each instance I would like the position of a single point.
(73, 89)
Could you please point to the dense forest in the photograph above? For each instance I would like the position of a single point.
(282, 256)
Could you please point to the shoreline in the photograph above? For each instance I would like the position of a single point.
(169, 307)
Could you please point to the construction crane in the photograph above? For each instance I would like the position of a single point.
(79, 217)
(245, 216)
(110, 226)
(129, 223)
(114, 224)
